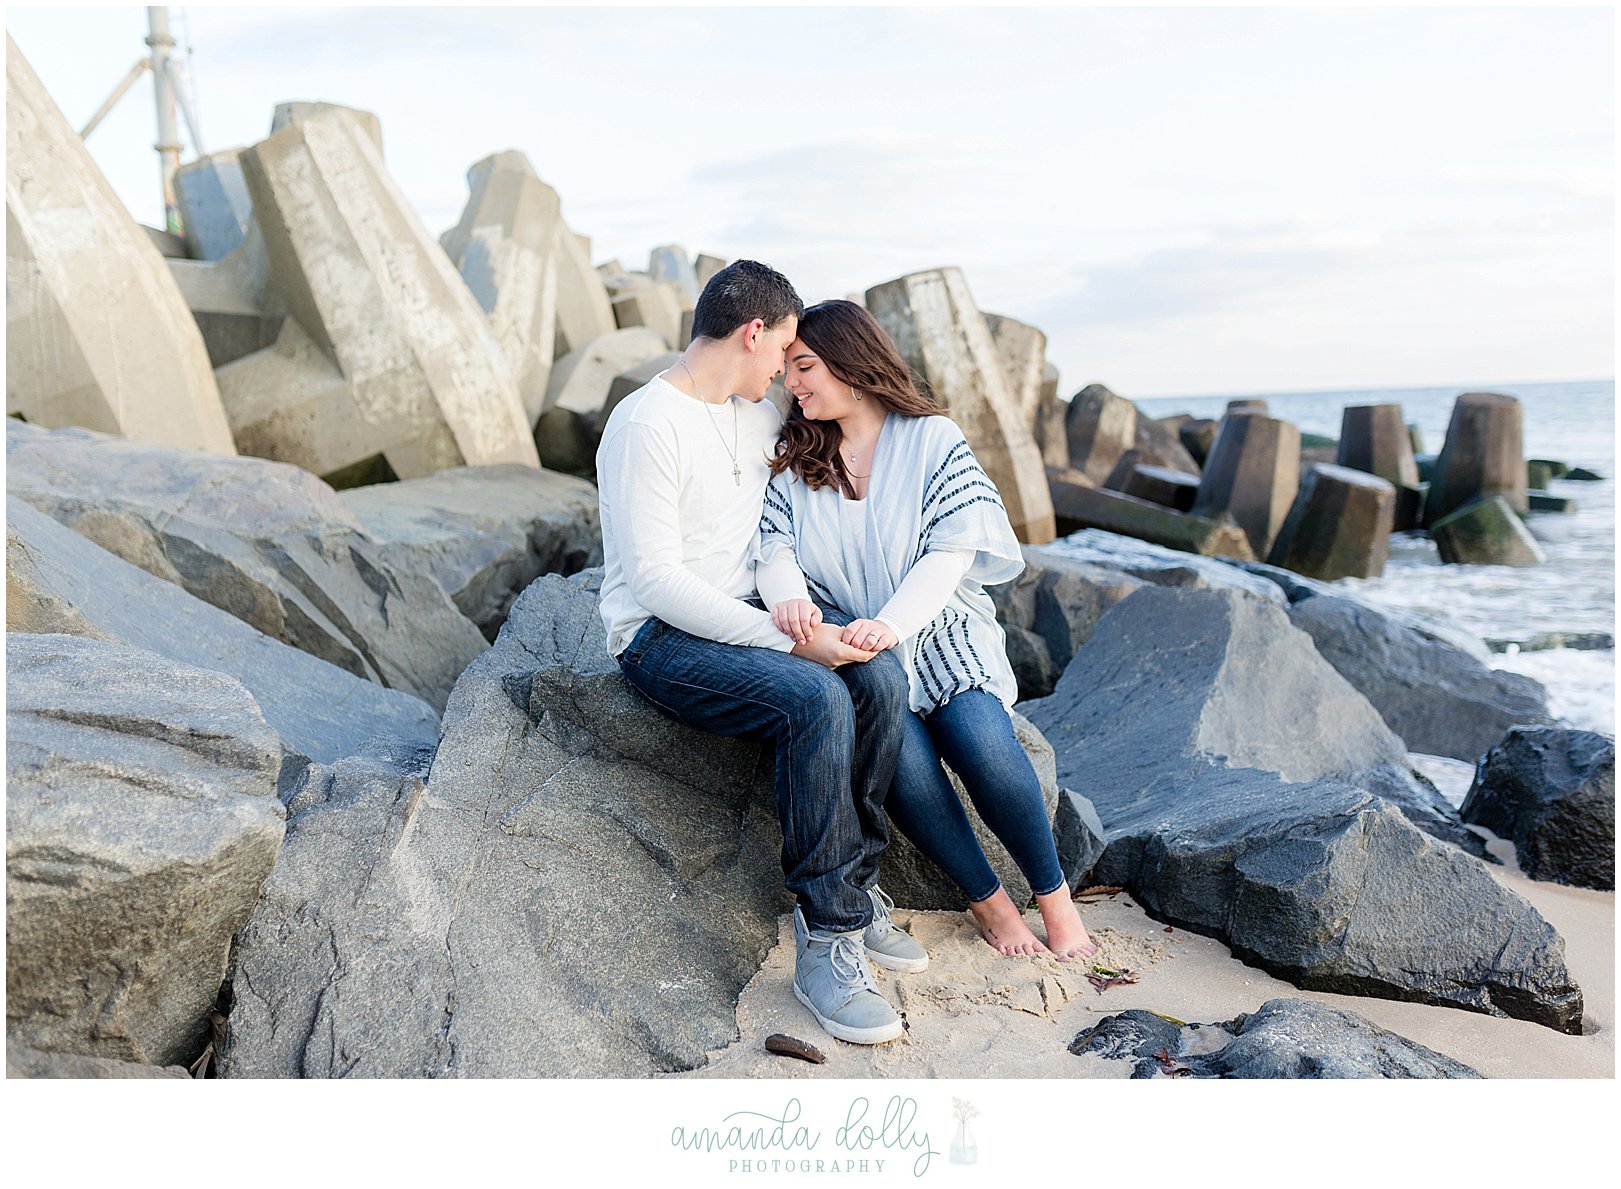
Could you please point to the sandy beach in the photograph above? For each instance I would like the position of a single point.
(976, 1014)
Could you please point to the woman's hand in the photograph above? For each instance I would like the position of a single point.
(796, 619)
(869, 634)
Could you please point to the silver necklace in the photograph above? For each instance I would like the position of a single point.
(737, 471)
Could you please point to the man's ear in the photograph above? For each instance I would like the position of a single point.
(751, 332)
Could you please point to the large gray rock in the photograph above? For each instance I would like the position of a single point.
(23, 1062)
(97, 332)
(1050, 609)
(461, 930)
(59, 582)
(141, 818)
(1283, 1038)
(483, 533)
(269, 543)
(1551, 791)
(1159, 565)
(1432, 685)
(1250, 793)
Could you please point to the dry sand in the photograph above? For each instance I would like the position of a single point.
(976, 1014)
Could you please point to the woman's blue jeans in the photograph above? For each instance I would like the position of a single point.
(973, 734)
(837, 735)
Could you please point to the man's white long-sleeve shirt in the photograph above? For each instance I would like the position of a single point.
(678, 528)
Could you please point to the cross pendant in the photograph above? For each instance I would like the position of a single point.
(737, 475)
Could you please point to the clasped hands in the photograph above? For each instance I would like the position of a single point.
(826, 643)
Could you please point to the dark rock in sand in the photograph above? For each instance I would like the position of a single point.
(141, 818)
(1431, 683)
(1551, 791)
(484, 533)
(1283, 1038)
(266, 542)
(1251, 794)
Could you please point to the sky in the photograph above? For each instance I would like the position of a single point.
(1185, 200)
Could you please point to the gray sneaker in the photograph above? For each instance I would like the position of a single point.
(886, 943)
(831, 978)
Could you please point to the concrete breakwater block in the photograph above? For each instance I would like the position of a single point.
(652, 304)
(1252, 474)
(60, 582)
(944, 339)
(1051, 411)
(1375, 439)
(1551, 791)
(97, 332)
(1078, 506)
(1541, 502)
(215, 207)
(392, 356)
(141, 820)
(269, 543)
(1160, 485)
(506, 248)
(1251, 794)
(1283, 1038)
(582, 379)
(1023, 350)
(670, 263)
(1197, 435)
(1486, 532)
(1101, 427)
(1483, 456)
(1339, 526)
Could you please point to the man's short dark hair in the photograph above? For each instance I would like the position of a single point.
(741, 292)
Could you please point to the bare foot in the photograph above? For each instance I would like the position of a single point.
(1003, 928)
(1067, 938)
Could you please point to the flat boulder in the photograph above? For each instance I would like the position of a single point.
(141, 819)
(1283, 1038)
(267, 542)
(1250, 793)
(483, 533)
(1551, 791)
(1433, 685)
(60, 582)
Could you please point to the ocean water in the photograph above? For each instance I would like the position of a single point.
(1573, 593)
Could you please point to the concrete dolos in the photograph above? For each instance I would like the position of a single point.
(97, 332)
(944, 339)
(385, 356)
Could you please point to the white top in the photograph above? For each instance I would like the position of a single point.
(679, 531)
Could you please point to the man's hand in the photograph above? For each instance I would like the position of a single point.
(796, 619)
(871, 634)
(826, 648)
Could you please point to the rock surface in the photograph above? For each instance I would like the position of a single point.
(1251, 794)
(141, 819)
(59, 582)
(23, 1062)
(1551, 791)
(267, 542)
(1283, 1038)
(1485, 532)
(1432, 686)
(483, 533)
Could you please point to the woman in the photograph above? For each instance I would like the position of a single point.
(877, 503)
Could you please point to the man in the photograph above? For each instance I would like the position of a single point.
(682, 471)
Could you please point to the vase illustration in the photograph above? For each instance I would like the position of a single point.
(963, 1148)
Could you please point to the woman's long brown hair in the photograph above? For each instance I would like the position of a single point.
(857, 351)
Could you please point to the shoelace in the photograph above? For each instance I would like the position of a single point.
(881, 904)
(848, 965)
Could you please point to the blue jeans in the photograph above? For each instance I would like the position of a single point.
(973, 734)
(837, 735)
